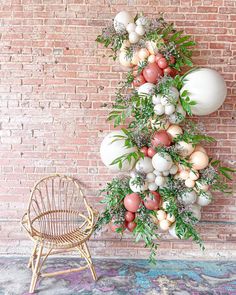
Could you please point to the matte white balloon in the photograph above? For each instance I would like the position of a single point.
(169, 109)
(208, 88)
(204, 199)
(160, 180)
(144, 165)
(173, 169)
(146, 88)
(130, 27)
(172, 231)
(140, 30)
(136, 188)
(156, 99)
(121, 20)
(162, 162)
(173, 93)
(159, 109)
(152, 186)
(133, 37)
(150, 177)
(142, 21)
(188, 197)
(112, 149)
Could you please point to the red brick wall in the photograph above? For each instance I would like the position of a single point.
(54, 78)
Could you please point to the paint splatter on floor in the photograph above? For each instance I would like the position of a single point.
(122, 277)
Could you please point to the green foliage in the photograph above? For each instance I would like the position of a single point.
(186, 102)
(113, 195)
(185, 220)
(193, 138)
(146, 230)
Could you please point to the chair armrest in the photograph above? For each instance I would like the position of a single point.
(25, 223)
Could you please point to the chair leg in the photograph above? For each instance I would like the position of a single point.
(32, 257)
(87, 257)
(36, 270)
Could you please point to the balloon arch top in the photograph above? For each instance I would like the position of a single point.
(169, 176)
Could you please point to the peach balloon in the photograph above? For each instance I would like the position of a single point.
(170, 217)
(184, 174)
(199, 148)
(165, 224)
(185, 149)
(161, 214)
(199, 160)
(189, 183)
(174, 131)
(151, 58)
(193, 174)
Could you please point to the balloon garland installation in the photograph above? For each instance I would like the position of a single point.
(170, 174)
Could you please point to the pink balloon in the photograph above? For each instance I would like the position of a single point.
(161, 138)
(152, 73)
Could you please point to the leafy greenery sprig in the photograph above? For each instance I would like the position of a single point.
(194, 139)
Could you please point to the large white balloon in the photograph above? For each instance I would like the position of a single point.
(121, 20)
(162, 162)
(111, 149)
(208, 88)
(146, 88)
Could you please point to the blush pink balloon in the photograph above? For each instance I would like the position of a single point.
(152, 73)
(161, 138)
(132, 202)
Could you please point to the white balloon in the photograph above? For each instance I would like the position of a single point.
(188, 197)
(142, 21)
(160, 180)
(208, 88)
(130, 27)
(196, 210)
(156, 99)
(111, 149)
(173, 169)
(137, 188)
(152, 186)
(164, 100)
(162, 162)
(204, 199)
(150, 177)
(133, 37)
(159, 109)
(146, 88)
(144, 165)
(169, 109)
(121, 20)
(173, 93)
(172, 231)
(166, 173)
(140, 30)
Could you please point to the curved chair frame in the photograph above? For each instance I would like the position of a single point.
(54, 238)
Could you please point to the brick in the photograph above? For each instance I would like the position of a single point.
(54, 79)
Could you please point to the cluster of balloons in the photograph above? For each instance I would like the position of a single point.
(205, 87)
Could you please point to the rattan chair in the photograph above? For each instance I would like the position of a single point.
(58, 219)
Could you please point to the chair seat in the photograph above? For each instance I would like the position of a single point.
(63, 241)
